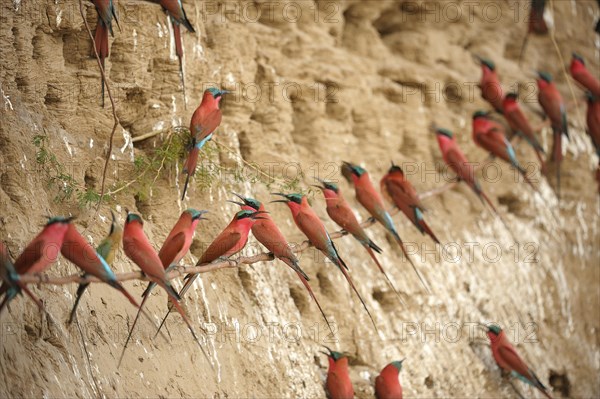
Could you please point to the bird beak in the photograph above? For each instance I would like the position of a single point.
(239, 196)
(70, 219)
(114, 218)
(237, 203)
(317, 186)
(477, 58)
(200, 216)
(256, 215)
(325, 353)
(483, 326)
(225, 92)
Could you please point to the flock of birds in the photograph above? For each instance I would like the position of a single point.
(60, 236)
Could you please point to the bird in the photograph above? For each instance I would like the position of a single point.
(509, 360)
(268, 234)
(536, 24)
(338, 384)
(10, 277)
(520, 125)
(178, 17)
(489, 135)
(491, 89)
(311, 226)
(340, 212)
(106, 12)
(79, 252)
(140, 251)
(552, 103)
(174, 248)
(400, 192)
(231, 240)
(457, 161)
(593, 120)
(41, 252)
(106, 249)
(387, 383)
(205, 120)
(582, 75)
(370, 199)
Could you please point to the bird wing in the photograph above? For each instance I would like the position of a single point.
(404, 192)
(226, 244)
(171, 248)
(511, 358)
(143, 255)
(205, 122)
(493, 141)
(30, 256)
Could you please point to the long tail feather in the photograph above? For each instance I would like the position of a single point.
(429, 232)
(185, 186)
(370, 251)
(399, 241)
(312, 295)
(80, 290)
(179, 52)
(341, 265)
(523, 47)
(190, 278)
(137, 316)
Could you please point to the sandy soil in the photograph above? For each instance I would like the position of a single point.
(315, 83)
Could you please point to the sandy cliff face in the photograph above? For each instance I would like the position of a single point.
(314, 83)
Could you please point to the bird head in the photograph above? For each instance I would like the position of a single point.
(216, 93)
(486, 62)
(195, 214)
(590, 97)
(545, 76)
(577, 57)
(480, 114)
(395, 169)
(59, 220)
(398, 364)
(133, 217)
(335, 356)
(325, 185)
(245, 214)
(247, 201)
(351, 171)
(293, 201)
(512, 96)
(440, 131)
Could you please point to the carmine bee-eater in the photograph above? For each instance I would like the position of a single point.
(489, 135)
(370, 199)
(309, 223)
(520, 125)
(9, 276)
(231, 241)
(536, 24)
(593, 120)
(554, 107)
(509, 360)
(77, 250)
(175, 247)
(387, 383)
(491, 89)
(178, 17)
(106, 12)
(268, 234)
(341, 213)
(140, 251)
(106, 250)
(400, 192)
(40, 253)
(581, 74)
(457, 161)
(338, 384)
(205, 120)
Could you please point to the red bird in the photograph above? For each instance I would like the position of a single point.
(509, 360)
(140, 251)
(387, 383)
(174, 248)
(338, 384)
(593, 120)
(177, 15)
(309, 223)
(39, 254)
(398, 190)
(370, 199)
(205, 120)
(11, 282)
(581, 74)
(231, 241)
(456, 160)
(554, 107)
(520, 125)
(268, 234)
(106, 12)
(489, 135)
(491, 89)
(341, 213)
